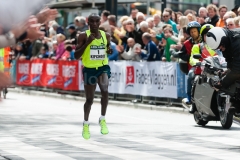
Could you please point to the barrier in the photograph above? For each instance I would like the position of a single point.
(161, 82)
(48, 73)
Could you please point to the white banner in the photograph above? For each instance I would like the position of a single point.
(156, 79)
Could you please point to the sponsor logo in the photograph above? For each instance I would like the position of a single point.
(52, 69)
(23, 68)
(68, 71)
(36, 68)
(36, 78)
(130, 76)
(68, 82)
(23, 78)
(52, 80)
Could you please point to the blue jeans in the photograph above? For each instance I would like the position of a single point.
(189, 83)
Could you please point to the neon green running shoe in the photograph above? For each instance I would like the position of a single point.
(104, 129)
(85, 132)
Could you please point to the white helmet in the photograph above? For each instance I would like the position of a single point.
(214, 37)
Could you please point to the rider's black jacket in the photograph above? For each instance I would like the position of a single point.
(232, 52)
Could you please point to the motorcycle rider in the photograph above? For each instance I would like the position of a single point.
(193, 29)
(203, 49)
(228, 42)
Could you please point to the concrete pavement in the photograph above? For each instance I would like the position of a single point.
(113, 102)
(45, 128)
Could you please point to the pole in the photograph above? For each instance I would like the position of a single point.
(93, 3)
(111, 5)
(148, 7)
(164, 5)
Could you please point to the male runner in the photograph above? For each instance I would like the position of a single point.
(93, 46)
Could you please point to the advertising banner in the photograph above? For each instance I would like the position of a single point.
(70, 71)
(36, 72)
(156, 79)
(23, 73)
(52, 74)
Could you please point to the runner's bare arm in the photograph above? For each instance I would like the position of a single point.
(83, 42)
(109, 50)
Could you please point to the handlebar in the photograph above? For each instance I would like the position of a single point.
(212, 70)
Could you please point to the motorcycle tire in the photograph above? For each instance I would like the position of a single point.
(226, 119)
(198, 120)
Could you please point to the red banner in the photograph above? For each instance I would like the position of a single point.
(23, 73)
(36, 72)
(48, 73)
(70, 75)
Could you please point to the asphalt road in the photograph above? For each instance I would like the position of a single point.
(43, 128)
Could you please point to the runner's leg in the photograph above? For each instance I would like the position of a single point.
(89, 93)
(103, 85)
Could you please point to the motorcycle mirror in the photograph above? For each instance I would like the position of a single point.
(197, 56)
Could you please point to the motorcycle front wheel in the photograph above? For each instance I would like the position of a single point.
(226, 118)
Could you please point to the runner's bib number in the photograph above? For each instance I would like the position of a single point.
(97, 52)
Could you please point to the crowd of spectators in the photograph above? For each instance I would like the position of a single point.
(135, 37)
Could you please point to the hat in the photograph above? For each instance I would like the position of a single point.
(71, 26)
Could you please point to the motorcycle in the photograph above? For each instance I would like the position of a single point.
(212, 105)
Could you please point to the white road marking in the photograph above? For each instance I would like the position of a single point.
(119, 152)
(28, 152)
(184, 147)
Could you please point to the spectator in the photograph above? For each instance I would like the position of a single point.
(104, 21)
(183, 21)
(202, 12)
(133, 15)
(158, 24)
(68, 53)
(150, 22)
(179, 14)
(236, 22)
(73, 34)
(43, 53)
(114, 55)
(228, 14)
(61, 48)
(18, 52)
(151, 52)
(168, 33)
(230, 23)
(36, 48)
(131, 54)
(144, 28)
(80, 23)
(213, 15)
(140, 18)
(54, 50)
(131, 32)
(190, 11)
(113, 24)
(222, 11)
(167, 20)
(191, 17)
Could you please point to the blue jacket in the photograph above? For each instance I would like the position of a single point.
(114, 55)
(152, 52)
